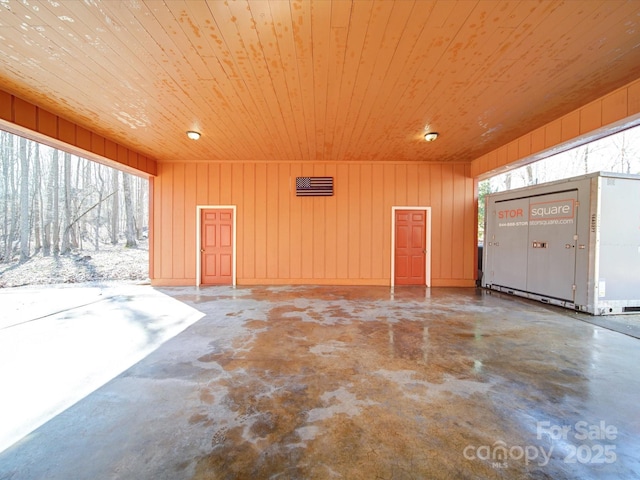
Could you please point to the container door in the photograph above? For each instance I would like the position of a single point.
(507, 247)
(552, 245)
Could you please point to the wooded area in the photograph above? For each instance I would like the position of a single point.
(55, 203)
(619, 153)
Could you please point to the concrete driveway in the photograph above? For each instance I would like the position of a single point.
(60, 343)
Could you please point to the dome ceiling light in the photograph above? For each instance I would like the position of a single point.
(430, 136)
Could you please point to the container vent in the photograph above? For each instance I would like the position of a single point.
(631, 309)
(593, 223)
(611, 182)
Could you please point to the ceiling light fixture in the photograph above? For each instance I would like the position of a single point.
(430, 136)
(193, 135)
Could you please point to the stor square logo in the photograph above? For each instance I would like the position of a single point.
(554, 210)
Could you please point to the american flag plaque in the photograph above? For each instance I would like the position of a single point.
(314, 186)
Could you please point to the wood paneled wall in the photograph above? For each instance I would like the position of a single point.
(603, 116)
(284, 239)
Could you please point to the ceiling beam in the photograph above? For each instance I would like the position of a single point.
(612, 113)
(28, 120)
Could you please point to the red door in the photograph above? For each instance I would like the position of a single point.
(216, 247)
(410, 254)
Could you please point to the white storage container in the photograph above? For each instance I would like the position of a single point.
(573, 243)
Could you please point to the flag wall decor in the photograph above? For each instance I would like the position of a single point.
(314, 186)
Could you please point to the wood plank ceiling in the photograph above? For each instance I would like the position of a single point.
(316, 80)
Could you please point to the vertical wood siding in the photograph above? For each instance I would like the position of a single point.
(344, 239)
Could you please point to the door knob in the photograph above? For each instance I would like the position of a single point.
(202, 250)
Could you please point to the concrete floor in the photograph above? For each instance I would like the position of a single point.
(59, 344)
(356, 383)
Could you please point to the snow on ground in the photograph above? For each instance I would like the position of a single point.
(110, 263)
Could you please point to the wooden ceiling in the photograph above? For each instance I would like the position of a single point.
(316, 80)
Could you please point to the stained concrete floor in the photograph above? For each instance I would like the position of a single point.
(356, 383)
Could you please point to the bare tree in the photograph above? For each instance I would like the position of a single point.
(50, 206)
(529, 171)
(87, 186)
(24, 201)
(140, 208)
(115, 206)
(99, 213)
(47, 217)
(66, 234)
(36, 212)
(130, 233)
(5, 158)
(507, 181)
(55, 179)
(624, 153)
(75, 203)
(585, 158)
(12, 213)
(13, 205)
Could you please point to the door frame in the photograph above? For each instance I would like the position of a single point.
(199, 209)
(427, 257)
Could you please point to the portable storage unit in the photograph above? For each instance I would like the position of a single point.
(573, 243)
